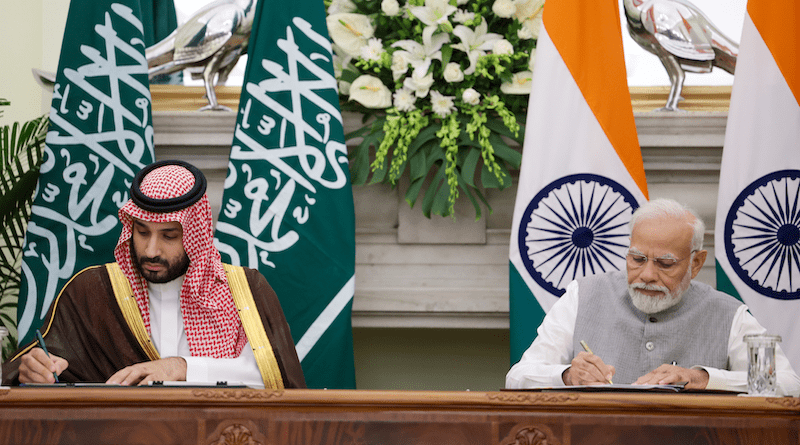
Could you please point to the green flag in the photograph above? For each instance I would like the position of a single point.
(287, 208)
(100, 135)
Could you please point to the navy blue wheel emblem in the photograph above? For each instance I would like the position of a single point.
(762, 235)
(575, 226)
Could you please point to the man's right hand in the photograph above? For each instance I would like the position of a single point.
(37, 367)
(588, 369)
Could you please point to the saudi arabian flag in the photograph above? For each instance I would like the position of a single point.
(287, 208)
(758, 209)
(100, 135)
(582, 175)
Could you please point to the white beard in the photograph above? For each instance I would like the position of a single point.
(652, 305)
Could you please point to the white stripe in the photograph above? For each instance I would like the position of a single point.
(761, 138)
(321, 324)
(563, 137)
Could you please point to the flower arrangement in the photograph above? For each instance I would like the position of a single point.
(442, 84)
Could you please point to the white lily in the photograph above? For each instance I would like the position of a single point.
(475, 42)
(434, 13)
(421, 56)
(520, 83)
(350, 31)
(370, 92)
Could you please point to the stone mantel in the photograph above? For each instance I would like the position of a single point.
(413, 272)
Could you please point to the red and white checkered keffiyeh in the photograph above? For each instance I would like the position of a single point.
(210, 317)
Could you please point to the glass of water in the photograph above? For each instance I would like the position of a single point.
(761, 373)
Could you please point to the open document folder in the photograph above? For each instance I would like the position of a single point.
(679, 387)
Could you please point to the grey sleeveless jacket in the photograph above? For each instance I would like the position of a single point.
(693, 332)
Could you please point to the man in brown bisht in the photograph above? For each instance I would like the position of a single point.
(168, 309)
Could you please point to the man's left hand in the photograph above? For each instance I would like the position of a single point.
(669, 374)
(165, 369)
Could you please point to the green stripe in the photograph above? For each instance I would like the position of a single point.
(525, 315)
(724, 283)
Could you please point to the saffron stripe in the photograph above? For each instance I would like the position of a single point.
(595, 58)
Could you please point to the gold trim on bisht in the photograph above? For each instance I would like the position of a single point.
(130, 310)
(253, 328)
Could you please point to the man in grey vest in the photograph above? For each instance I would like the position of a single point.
(650, 325)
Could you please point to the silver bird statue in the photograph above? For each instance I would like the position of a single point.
(682, 37)
(210, 42)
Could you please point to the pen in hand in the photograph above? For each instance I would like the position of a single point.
(41, 343)
(589, 350)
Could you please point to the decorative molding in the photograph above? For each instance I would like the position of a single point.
(234, 432)
(785, 402)
(643, 99)
(535, 398)
(236, 394)
(531, 435)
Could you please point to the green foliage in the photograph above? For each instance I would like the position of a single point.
(454, 142)
(21, 148)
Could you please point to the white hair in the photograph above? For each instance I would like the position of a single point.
(663, 207)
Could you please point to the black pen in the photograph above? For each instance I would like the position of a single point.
(41, 343)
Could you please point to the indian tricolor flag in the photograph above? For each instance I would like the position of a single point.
(582, 174)
(758, 209)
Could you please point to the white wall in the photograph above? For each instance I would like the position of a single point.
(30, 37)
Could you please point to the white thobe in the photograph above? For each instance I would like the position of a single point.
(169, 337)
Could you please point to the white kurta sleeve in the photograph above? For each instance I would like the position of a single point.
(550, 353)
(735, 379)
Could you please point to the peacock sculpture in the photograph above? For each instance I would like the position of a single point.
(682, 37)
(209, 43)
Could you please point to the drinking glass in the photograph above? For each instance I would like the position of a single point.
(761, 374)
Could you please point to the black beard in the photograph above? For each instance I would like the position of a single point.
(173, 270)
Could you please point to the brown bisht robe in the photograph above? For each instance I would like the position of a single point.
(86, 327)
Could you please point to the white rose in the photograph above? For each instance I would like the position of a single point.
(504, 8)
(419, 82)
(502, 46)
(390, 7)
(471, 96)
(532, 61)
(453, 73)
(534, 26)
(344, 87)
(340, 6)
(524, 33)
(370, 92)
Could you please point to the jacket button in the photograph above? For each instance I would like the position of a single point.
(653, 319)
(649, 346)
